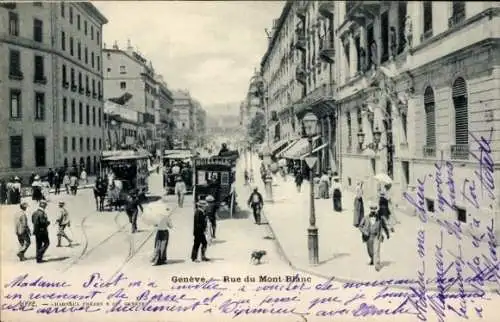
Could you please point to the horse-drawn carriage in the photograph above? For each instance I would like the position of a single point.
(215, 176)
(124, 171)
(183, 159)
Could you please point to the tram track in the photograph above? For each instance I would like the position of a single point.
(85, 250)
(133, 250)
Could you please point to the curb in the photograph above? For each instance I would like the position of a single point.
(430, 287)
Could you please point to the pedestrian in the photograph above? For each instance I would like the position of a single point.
(73, 183)
(200, 226)
(66, 182)
(83, 176)
(298, 179)
(3, 192)
(36, 186)
(132, 209)
(57, 183)
(359, 210)
(371, 227)
(337, 194)
(63, 222)
(22, 231)
(180, 190)
(212, 214)
(50, 177)
(161, 239)
(246, 176)
(383, 207)
(16, 191)
(324, 185)
(256, 202)
(40, 230)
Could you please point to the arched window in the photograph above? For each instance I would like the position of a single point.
(82, 162)
(96, 168)
(459, 95)
(65, 163)
(88, 165)
(430, 121)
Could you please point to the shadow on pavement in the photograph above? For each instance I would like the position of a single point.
(175, 261)
(150, 199)
(56, 259)
(334, 256)
(242, 214)
(218, 241)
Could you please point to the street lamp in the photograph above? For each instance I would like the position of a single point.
(266, 153)
(374, 146)
(310, 122)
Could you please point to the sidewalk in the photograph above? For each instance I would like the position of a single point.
(341, 251)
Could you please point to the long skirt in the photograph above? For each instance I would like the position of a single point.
(359, 211)
(160, 251)
(337, 200)
(323, 190)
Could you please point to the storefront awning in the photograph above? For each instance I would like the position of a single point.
(288, 147)
(314, 150)
(278, 146)
(300, 148)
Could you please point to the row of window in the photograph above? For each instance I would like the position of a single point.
(16, 151)
(17, 155)
(88, 29)
(14, 27)
(460, 149)
(92, 87)
(75, 48)
(15, 106)
(96, 114)
(15, 70)
(73, 144)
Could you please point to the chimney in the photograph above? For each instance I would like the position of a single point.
(115, 45)
(129, 45)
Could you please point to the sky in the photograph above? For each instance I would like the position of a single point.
(210, 48)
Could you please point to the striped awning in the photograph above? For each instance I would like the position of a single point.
(275, 147)
(288, 147)
(299, 148)
(314, 150)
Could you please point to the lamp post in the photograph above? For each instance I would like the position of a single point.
(266, 153)
(374, 146)
(310, 122)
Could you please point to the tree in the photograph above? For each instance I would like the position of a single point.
(257, 128)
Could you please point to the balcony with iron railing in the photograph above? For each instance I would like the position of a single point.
(40, 79)
(16, 75)
(301, 10)
(460, 152)
(301, 75)
(456, 18)
(327, 49)
(326, 8)
(301, 43)
(429, 151)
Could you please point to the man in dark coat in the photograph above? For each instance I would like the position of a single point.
(256, 202)
(132, 209)
(40, 230)
(200, 226)
(223, 149)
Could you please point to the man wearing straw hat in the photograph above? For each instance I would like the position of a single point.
(200, 226)
(63, 222)
(180, 190)
(371, 227)
(22, 231)
(40, 230)
(161, 239)
(211, 212)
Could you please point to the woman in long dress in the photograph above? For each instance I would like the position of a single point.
(161, 239)
(359, 210)
(324, 185)
(337, 194)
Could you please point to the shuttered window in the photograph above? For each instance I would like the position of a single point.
(459, 95)
(430, 117)
(349, 129)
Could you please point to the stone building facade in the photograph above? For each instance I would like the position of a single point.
(418, 87)
(51, 80)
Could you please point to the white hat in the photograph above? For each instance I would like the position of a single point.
(37, 177)
(210, 198)
(373, 205)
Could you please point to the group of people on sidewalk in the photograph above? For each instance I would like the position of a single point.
(40, 224)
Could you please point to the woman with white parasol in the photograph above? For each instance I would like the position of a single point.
(384, 200)
(162, 225)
